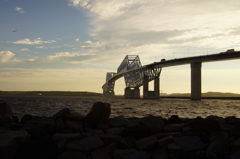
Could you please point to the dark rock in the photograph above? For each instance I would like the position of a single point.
(74, 126)
(189, 143)
(7, 153)
(219, 146)
(110, 138)
(130, 154)
(202, 135)
(217, 119)
(133, 122)
(26, 118)
(97, 132)
(233, 121)
(127, 143)
(75, 116)
(99, 114)
(13, 138)
(86, 144)
(14, 126)
(102, 126)
(104, 153)
(146, 143)
(194, 155)
(138, 132)
(236, 143)
(120, 121)
(160, 153)
(163, 135)
(219, 134)
(172, 147)
(235, 155)
(38, 149)
(174, 127)
(227, 127)
(61, 114)
(155, 124)
(203, 125)
(72, 155)
(66, 136)
(174, 119)
(114, 131)
(86, 134)
(5, 109)
(165, 141)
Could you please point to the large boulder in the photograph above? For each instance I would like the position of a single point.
(119, 121)
(104, 153)
(13, 138)
(85, 145)
(189, 143)
(130, 154)
(5, 109)
(99, 114)
(61, 114)
(155, 124)
(72, 155)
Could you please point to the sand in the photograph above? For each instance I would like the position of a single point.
(184, 108)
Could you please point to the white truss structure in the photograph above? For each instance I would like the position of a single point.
(133, 72)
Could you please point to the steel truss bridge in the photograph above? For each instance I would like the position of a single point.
(136, 75)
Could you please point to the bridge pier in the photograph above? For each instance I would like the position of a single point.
(196, 88)
(108, 93)
(151, 94)
(132, 93)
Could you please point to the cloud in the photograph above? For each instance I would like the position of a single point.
(128, 26)
(19, 9)
(33, 42)
(74, 57)
(77, 40)
(89, 44)
(5, 56)
(40, 47)
(24, 49)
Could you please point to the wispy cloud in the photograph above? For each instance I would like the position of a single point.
(24, 49)
(32, 42)
(19, 9)
(5, 56)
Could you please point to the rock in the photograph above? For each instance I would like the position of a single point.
(146, 143)
(193, 155)
(163, 135)
(7, 153)
(130, 154)
(115, 131)
(133, 121)
(5, 109)
(155, 124)
(235, 155)
(104, 153)
(202, 135)
(13, 138)
(174, 127)
(227, 127)
(233, 121)
(102, 126)
(174, 119)
(66, 136)
(172, 147)
(110, 138)
(97, 132)
(165, 141)
(217, 119)
(72, 155)
(45, 148)
(160, 153)
(219, 134)
(219, 146)
(138, 132)
(120, 121)
(189, 143)
(26, 118)
(236, 143)
(61, 114)
(127, 143)
(99, 114)
(74, 126)
(75, 116)
(203, 125)
(86, 144)
(86, 134)
(60, 123)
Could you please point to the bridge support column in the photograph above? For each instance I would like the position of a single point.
(196, 88)
(151, 94)
(108, 93)
(132, 93)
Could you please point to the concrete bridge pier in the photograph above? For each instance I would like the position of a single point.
(151, 94)
(132, 93)
(108, 93)
(196, 87)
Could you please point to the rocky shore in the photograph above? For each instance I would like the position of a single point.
(72, 135)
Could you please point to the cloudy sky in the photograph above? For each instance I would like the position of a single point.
(70, 45)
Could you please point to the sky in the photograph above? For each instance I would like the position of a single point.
(70, 45)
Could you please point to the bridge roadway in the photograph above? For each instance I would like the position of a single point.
(196, 64)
